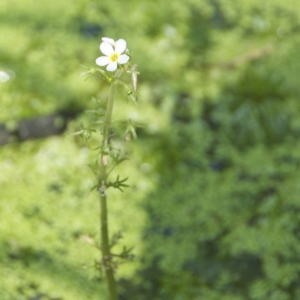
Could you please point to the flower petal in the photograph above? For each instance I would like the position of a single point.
(102, 61)
(123, 59)
(111, 67)
(4, 76)
(106, 48)
(109, 40)
(120, 46)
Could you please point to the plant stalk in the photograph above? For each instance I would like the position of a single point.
(107, 265)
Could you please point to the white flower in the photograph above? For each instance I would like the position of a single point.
(4, 76)
(113, 51)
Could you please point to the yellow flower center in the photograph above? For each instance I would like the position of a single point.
(114, 57)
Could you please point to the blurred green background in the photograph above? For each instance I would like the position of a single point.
(213, 211)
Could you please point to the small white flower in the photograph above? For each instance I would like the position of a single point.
(113, 51)
(4, 76)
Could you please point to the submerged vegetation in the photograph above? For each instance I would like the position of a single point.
(212, 212)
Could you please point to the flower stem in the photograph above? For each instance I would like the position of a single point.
(106, 255)
(107, 263)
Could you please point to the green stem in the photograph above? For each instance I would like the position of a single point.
(108, 266)
(106, 255)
